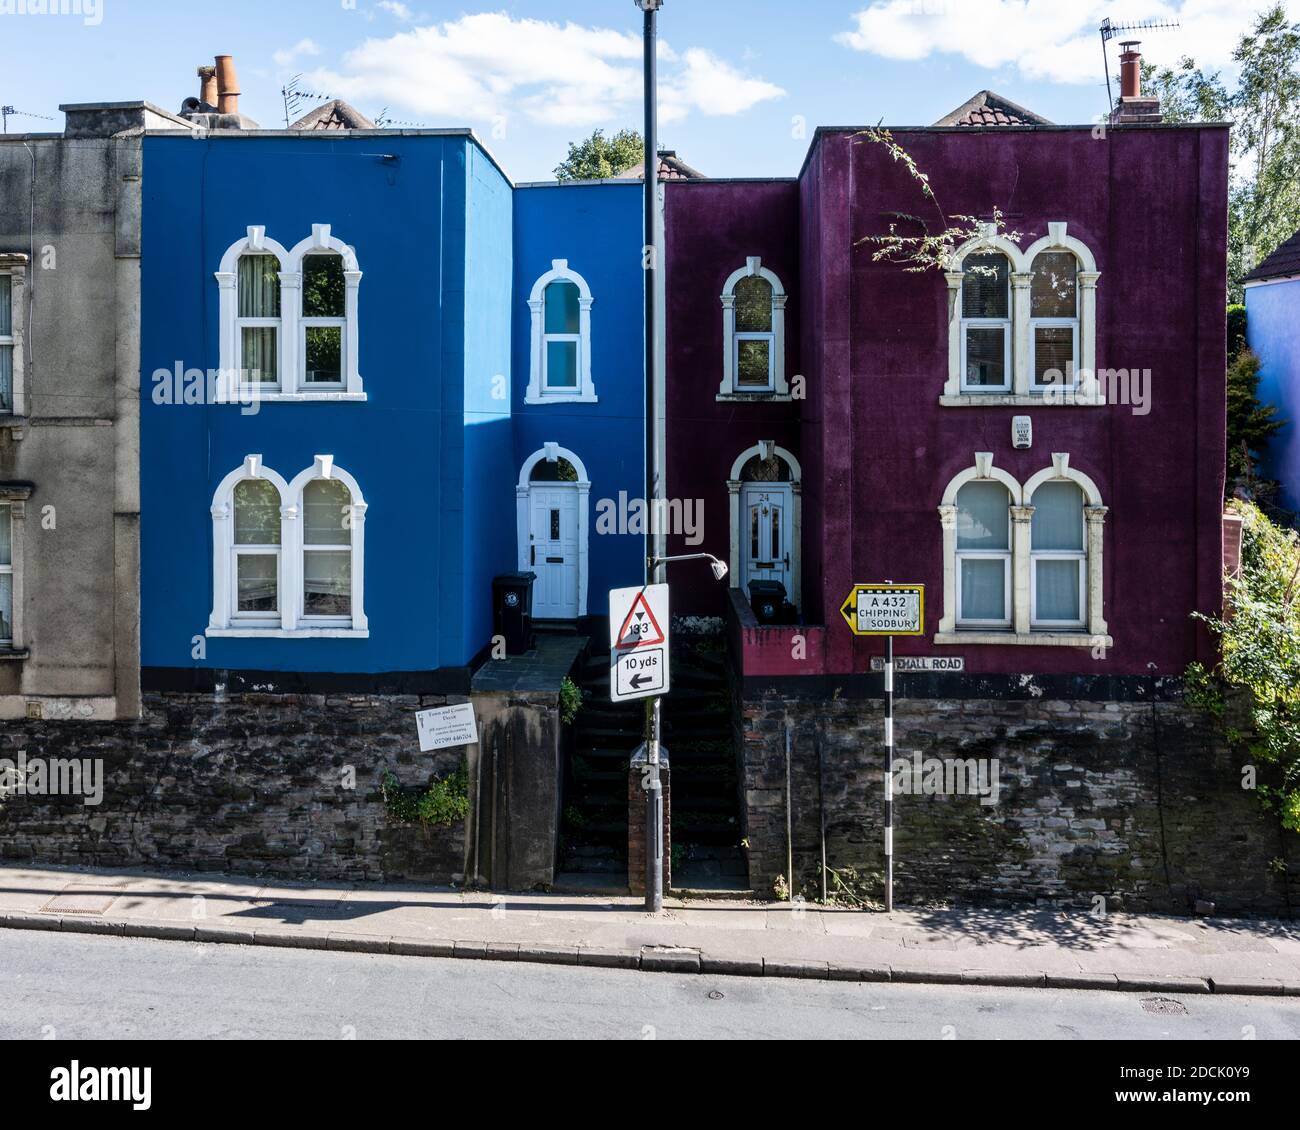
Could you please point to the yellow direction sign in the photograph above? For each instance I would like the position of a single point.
(886, 610)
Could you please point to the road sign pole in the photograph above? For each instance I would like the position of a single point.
(889, 778)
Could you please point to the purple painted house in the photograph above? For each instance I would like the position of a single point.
(1036, 433)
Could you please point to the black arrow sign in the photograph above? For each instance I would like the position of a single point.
(638, 681)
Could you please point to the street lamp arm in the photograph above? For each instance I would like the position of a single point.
(719, 566)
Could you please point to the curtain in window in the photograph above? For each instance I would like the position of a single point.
(1058, 517)
(1057, 589)
(984, 516)
(1053, 291)
(983, 589)
(753, 306)
(985, 292)
(327, 573)
(259, 286)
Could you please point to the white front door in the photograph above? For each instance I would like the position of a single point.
(553, 550)
(766, 529)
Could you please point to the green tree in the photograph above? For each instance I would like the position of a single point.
(1264, 107)
(1250, 424)
(599, 156)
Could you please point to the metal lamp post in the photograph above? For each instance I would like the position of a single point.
(654, 886)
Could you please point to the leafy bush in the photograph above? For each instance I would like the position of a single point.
(570, 700)
(444, 802)
(1259, 643)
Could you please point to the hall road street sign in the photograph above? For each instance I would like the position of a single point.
(885, 610)
(638, 644)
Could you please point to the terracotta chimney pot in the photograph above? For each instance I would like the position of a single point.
(208, 85)
(1130, 70)
(227, 85)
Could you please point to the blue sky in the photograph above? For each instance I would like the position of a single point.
(744, 81)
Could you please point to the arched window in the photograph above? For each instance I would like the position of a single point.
(560, 370)
(753, 332)
(258, 325)
(1028, 559)
(1054, 320)
(984, 555)
(324, 320)
(1022, 322)
(986, 322)
(256, 552)
(288, 558)
(288, 319)
(6, 577)
(1058, 557)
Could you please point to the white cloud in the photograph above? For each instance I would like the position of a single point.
(1044, 39)
(482, 67)
(397, 10)
(286, 57)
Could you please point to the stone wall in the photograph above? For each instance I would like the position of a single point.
(1140, 803)
(283, 785)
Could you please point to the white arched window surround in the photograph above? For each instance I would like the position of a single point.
(728, 389)
(537, 393)
(290, 354)
(765, 449)
(1095, 632)
(551, 453)
(1022, 392)
(290, 623)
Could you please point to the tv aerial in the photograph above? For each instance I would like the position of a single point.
(1109, 31)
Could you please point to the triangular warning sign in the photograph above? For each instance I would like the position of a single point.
(640, 629)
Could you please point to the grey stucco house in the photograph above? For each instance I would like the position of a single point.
(69, 415)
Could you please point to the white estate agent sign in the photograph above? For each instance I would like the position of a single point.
(638, 642)
(446, 726)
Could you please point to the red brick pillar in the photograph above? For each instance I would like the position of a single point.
(636, 804)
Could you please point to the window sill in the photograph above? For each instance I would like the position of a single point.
(284, 634)
(15, 653)
(1017, 400)
(562, 398)
(754, 397)
(16, 424)
(252, 396)
(1032, 639)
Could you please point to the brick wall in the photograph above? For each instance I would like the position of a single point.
(1139, 804)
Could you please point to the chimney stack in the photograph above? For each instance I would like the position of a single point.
(208, 86)
(227, 85)
(1132, 107)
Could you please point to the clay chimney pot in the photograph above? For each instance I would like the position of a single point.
(227, 85)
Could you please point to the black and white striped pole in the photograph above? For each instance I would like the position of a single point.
(889, 776)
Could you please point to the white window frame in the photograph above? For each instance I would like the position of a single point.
(1035, 556)
(1006, 325)
(1094, 632)
(305, 323)
(1003, 555)
(538, 391)
(15, 267)
(1072, 324)
(291, 354)
(1024, 390)
(290, 623)
(256, 619)
(777, 387)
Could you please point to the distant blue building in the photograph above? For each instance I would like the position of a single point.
(1273, 332)
(376, 375)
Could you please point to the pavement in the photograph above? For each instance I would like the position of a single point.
(1040, 948)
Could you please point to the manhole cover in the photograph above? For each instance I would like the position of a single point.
(1163, 1006)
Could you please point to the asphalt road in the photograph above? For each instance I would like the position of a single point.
(62, 986)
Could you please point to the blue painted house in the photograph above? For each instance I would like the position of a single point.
(376, 375)
(579, 391)
(1273, 332)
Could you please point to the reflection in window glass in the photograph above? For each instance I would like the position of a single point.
(755, 364)
(326, 504)
(324, 290)
(986, 286)
(327, 583)
(257, 513)
(753, 305)
(562, 308)
(257, 582)
(1053, 292)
